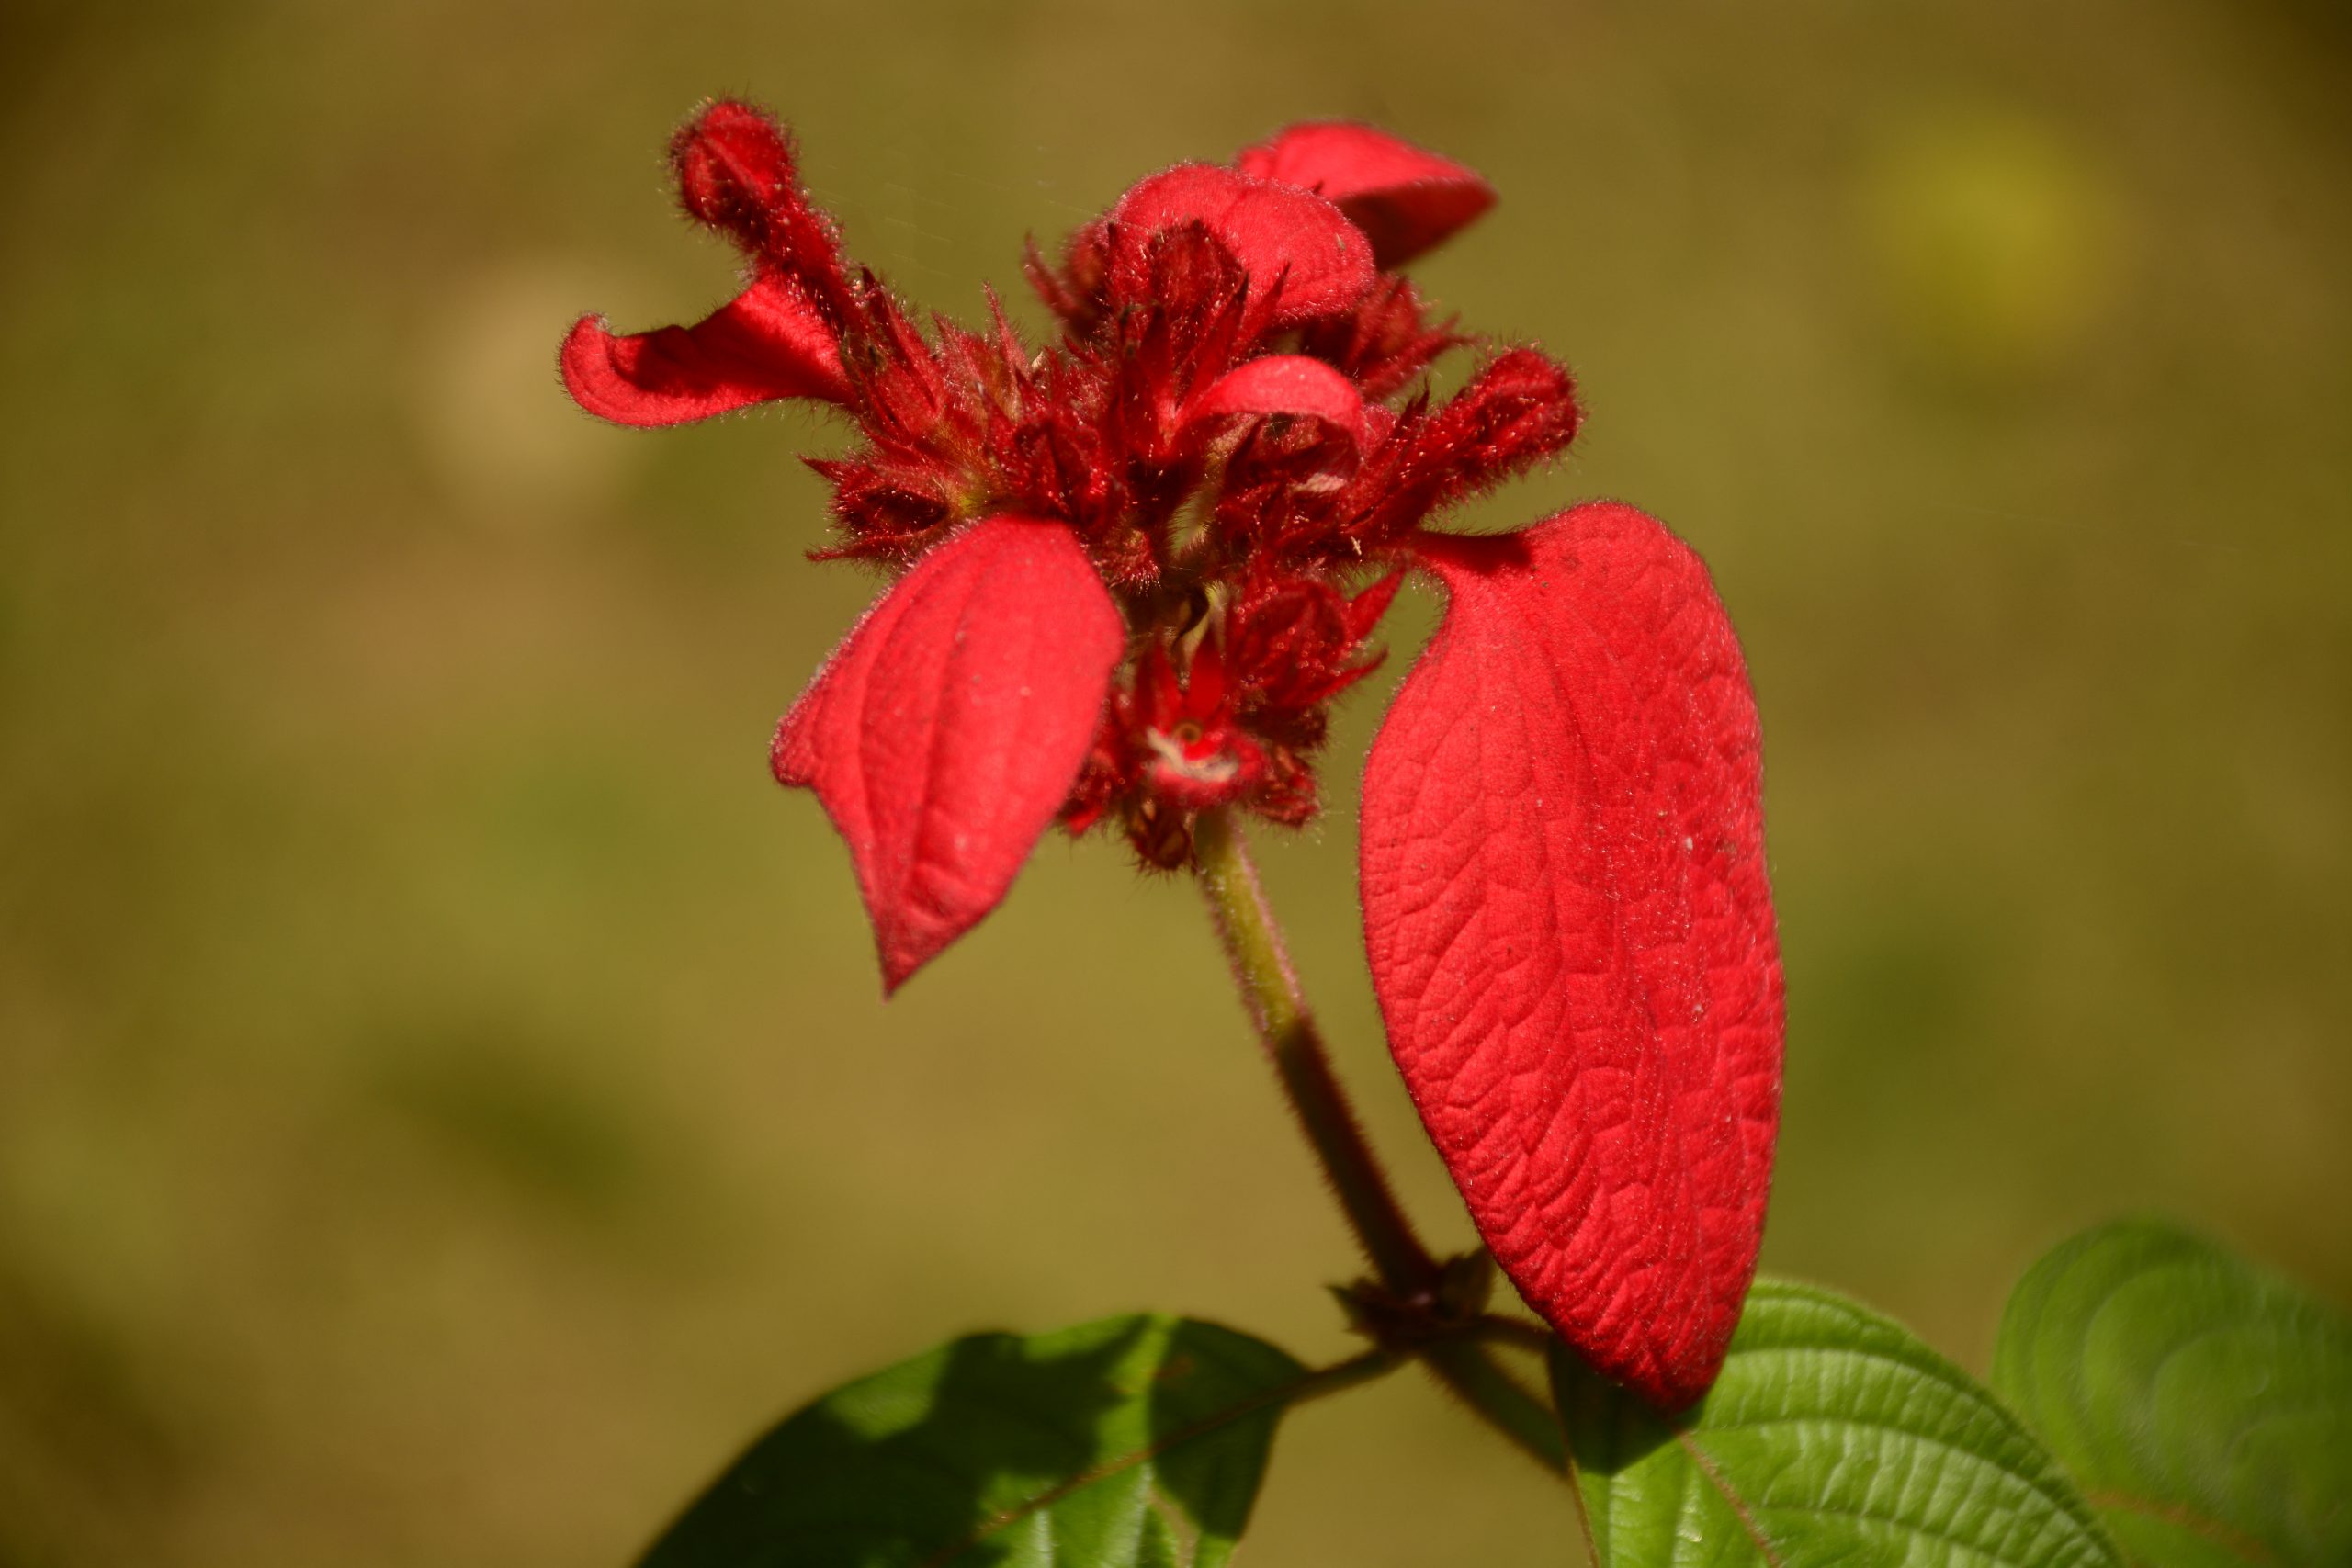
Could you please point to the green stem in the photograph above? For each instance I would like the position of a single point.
(1270, 989)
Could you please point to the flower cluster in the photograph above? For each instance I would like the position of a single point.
(1226, 427)
(1133, 566)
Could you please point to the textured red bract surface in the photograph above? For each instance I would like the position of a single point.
(1406, 199)
(944, 732)
(1571, 936)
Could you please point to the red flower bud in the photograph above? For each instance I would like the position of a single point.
(1304, 259)
(734, 171)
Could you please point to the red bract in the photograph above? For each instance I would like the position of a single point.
(1563, 861)
(1135, 564)
(942, 734)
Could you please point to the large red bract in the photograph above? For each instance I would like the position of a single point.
(1571, 937)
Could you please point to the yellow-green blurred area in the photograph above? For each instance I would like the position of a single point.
(445, 1105)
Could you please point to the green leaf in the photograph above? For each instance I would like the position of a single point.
(2205, 1406)
(1133, 1442)
(1833, 1436)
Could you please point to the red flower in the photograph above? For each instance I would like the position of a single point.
(1138, 566)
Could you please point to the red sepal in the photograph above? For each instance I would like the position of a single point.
(1285, 239)
(1283, 384)
(1406, 199)
(1571, 937)
(768, 342)
(943, 734)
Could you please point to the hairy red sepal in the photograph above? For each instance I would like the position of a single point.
(1519, 409)
(1286, 239)
(943, 734)
(1571, 937)
(1284, 384)
(1406, 199)
(769, 341)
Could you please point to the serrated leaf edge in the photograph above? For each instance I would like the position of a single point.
(2056, 1484)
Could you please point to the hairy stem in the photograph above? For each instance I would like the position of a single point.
(1270, 989)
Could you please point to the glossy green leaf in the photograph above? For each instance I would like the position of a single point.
(1833, 1436)
(1135, 1442)
(2206, 1406)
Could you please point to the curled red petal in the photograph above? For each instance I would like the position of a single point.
(1281, 236)
(1404, 198)
(1571, 937)
(943, 734)
(768, 342)
(1283, 384)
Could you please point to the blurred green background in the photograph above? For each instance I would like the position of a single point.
(445, 1104)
